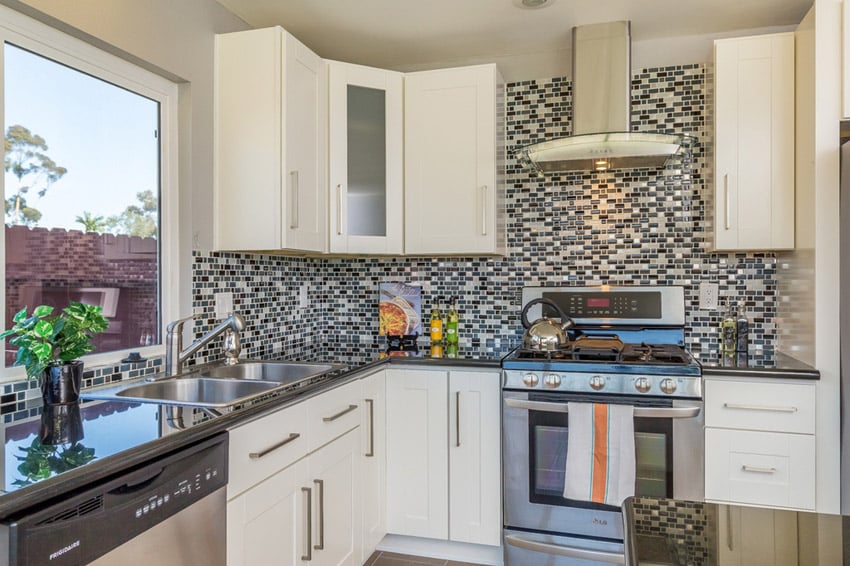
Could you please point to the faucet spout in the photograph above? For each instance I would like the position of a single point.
(175, 355)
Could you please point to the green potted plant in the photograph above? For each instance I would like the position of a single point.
(49, 346)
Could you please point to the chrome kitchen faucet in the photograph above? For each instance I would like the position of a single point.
(175, 355)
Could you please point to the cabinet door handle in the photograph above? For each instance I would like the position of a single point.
(760, 408)
(457, 417)
(757, 470)
(484, 210)
(371, 452)
(309, 516)
(320, 488)
(726, 199)
(339, 210)
(339, 414)
(260, 454)
(294, 176)
(729, 543)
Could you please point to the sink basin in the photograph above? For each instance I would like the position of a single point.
(197, 391)
(278, 372)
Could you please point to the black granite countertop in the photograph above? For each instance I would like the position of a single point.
(676, 532)
(755, 363)
(62, 449)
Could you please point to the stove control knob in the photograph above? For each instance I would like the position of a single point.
(597, 382)
(642, 384)
(530, 379)
(668, 385)
(552, 380)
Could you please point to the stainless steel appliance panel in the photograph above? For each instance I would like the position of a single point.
(544, 510)
(539, 549)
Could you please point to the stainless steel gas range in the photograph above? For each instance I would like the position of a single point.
(627, 347)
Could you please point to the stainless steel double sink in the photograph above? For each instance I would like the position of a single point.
(216, 387)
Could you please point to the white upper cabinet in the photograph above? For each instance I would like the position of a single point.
(365, 152)
(754, 143)
(454, 161)
(270, 143)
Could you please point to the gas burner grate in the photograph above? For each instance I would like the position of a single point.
(658, 354)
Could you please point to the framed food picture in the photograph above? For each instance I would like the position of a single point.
(399, 309)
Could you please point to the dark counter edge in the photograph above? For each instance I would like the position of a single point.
(789, 368)
(15, 503)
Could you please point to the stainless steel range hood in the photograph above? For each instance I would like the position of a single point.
(601, 108)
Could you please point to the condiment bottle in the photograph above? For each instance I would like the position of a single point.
(742, 327)
(729, 332)
(452, 320)
(436, 324)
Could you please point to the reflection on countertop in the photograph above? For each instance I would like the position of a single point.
(754, 363)
(667, 531)
(60, 442)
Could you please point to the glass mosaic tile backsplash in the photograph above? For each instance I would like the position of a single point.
(629, 227)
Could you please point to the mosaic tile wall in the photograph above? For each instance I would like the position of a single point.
(685, 529)
(620, 227)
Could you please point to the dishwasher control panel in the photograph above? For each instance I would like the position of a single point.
(204, 482)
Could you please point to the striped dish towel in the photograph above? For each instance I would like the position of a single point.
(600, 453)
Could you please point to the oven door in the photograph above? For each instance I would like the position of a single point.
(668, 448)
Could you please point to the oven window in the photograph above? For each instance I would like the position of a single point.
(548, 443)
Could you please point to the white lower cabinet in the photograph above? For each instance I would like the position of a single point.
(308, 513)
(760, 443)
(295, 486)
(373, 452)
(443, 455)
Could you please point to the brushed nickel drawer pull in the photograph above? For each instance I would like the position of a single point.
(457, 416)
(258, 455)
(484, 210)
(339, 210)
(339, 414)
(728, 224)
(760, 408)
(295, 198)
(309, 517)
(320, 487)
(371, 452)
(757, 470)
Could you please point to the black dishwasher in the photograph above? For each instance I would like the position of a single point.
(169, 512)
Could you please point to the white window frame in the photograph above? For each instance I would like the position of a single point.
(49, 42)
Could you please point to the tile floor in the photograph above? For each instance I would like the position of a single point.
(393, 559)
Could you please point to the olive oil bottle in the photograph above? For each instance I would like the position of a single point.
(729, 332)
(452, 323)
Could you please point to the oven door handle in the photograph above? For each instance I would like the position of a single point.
(569, 551)
(642, 412)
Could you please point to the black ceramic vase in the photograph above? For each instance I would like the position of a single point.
(61, 383)
(61, 424)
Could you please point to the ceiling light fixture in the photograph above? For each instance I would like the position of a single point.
(533, 4)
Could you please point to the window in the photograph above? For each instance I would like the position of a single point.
(88, 188)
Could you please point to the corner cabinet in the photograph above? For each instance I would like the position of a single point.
(270, 136)
(454, 161)
(754, 143)
(444, 455)
(365, 152)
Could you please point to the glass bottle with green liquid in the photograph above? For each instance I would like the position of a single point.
(452, 321)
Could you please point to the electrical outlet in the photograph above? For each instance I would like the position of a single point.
(303, 299)
(708, 296)
(223, 304)
(277, 348)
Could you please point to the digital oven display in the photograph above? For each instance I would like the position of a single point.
(599, 303)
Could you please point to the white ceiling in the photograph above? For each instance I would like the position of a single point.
(419, 34)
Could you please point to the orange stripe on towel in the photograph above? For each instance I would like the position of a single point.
(599, 482)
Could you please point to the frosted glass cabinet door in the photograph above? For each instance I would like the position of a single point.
(366, 159)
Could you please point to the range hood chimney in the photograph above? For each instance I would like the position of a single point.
(602, 138)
